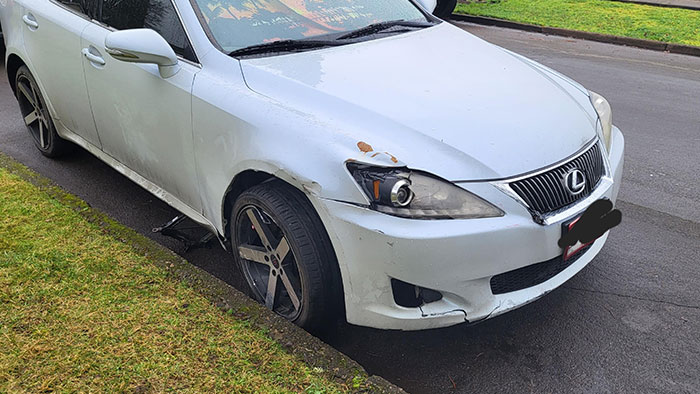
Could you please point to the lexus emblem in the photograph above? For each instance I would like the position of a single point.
(575, 182)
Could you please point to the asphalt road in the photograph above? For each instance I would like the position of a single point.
(630, 322)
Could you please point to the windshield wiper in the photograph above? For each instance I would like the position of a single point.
(284, 46)
(378, 27)
(308, 44)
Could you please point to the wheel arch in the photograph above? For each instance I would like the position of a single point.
(13, 64)
(253, 177)
(240, 183)
(249, 173)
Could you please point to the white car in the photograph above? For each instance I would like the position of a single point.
(357, 157)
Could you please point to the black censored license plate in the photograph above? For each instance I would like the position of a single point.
(571, 251)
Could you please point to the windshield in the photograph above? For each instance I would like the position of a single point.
(237, 24)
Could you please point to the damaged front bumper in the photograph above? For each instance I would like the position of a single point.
(457, 258)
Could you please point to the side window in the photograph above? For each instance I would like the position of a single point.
(159, 15)
(85, 7)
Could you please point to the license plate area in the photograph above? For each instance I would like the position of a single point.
(571, 251)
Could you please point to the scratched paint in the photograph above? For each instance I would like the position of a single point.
(365, 147)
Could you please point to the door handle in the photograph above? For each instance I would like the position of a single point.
(30, 21)
(97, 59)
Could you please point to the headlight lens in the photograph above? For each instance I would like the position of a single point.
(415, 195)
(602, 106)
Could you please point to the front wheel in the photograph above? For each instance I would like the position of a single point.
(285, 254)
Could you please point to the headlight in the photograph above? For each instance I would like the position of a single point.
(602, 107)
(415, 195)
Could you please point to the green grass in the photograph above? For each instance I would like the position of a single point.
(80, 311)
(672, 25)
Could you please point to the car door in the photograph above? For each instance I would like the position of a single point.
(144, 120)
(51, 33)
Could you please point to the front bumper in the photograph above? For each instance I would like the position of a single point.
(458, 258)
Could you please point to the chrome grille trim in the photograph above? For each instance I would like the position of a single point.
(545, 192)
(603, 186)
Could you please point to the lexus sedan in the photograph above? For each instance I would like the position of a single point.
(357, 158)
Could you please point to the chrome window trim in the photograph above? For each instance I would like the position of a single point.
(187, 33)
(190, 62)
(72, 11)
(110, 28)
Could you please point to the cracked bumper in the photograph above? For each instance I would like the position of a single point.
(456, 257)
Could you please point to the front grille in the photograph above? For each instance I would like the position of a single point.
(532, 275)
(547, 192)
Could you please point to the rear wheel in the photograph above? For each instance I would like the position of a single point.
(285, 254)
(37, 117)
(445, 8)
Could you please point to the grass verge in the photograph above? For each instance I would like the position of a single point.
(81, 311)
(678, 26)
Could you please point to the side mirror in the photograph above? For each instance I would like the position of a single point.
(429, 5)
(143, 46)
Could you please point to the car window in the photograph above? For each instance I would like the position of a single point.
(85, 7)
(159, 15)
(236, 24)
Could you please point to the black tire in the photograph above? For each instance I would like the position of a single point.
(445, 8)
(310, 267)
(37, 117)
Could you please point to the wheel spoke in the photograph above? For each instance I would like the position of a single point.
(37, 102)
(29, 96)
(260, 228)
(251, 253)
(42, 131)
(282, 250)
(31, 118)
(271, 290)
(290, 290)
(269, 282)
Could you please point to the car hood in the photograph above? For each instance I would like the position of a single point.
(439, 99)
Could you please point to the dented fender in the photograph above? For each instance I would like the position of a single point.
(245, 131)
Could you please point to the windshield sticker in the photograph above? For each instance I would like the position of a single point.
(240, 23)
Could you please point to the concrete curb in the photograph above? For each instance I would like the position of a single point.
(296, 341)
(610, 39)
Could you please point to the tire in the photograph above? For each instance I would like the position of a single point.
(445, 8)
(280, 213)
(37, 117)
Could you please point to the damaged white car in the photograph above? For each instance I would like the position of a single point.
(357, 157)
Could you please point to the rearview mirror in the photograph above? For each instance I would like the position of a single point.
(429, 5)
(143, 46)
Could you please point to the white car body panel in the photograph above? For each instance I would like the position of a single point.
(468, 120)
(62, 76)
(456, 257)
(302, 117)
(128, 102)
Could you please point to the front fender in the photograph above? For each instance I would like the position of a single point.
(237, 130)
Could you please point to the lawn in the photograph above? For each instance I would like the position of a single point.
(679, 26)
(80, 311)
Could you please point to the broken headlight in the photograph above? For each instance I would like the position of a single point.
(416, 195)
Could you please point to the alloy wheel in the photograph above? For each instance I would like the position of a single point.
(268, 262)
(34, 111)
